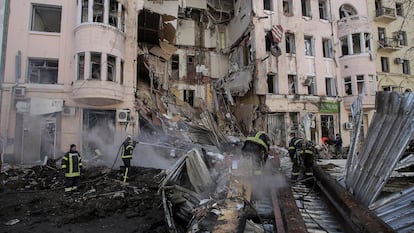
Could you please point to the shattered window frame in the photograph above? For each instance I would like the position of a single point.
(312, 88)
(43, 71)
(113, 13)
(80, 66)
(51, 24)
(323, 10)
(111, 68)
(95, 66)
(360, 83)
(327, 47)
(309, 48)
(330, 86)
(290, 43)
(344, 46)
(287, 8)
(372, 83)
(356, 43)
(175, 67)
(306, 8)
(292, 84)
(84, 11)
(98, 11)
(367, 42)
(348, 86)
(399, 9)
(189, 96)
(406, 66)
(272, 83)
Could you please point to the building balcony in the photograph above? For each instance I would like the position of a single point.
(97, 92)
(353, 24)
(368, 102)
(389, 45)
(385, 15)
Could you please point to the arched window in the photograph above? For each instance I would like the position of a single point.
(347, 10)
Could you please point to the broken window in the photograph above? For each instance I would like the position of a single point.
(46, 18)
(111, 68)
(381, 35)
(175, 64)
(98, 11)
(348, 85)
(347, 10)
(290, 43)
(327, 48)
(330, 86)
(272, 84)
(287, 8)
(43, 71)
(406, 66)
(389, 88)
(356, 43)
(189, 97)
(401, 37)
(367, 37)
(191, 68)
(81, 66)
(344, 46)
(327, 126)
(306, 8)
(385, 64)
(323, 10)
(95, 66)
(309, 46)
(113, 13)
(84, 12)
(399, 9)
(360, 84)
(267, 5)
(372, 84)
(293, 84)
(311, 83)
(246, 55)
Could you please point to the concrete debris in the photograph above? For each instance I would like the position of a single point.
(12, 222)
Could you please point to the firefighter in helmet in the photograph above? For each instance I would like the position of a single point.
(127, 150)
(71, 165)
(257, 145)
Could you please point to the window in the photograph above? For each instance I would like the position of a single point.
(290, 43)
(327, 48)
(311, 83)
(267, 5)
(191, 69)
(111, 68)
(98, 11)
(272, 83)
(385, 64)
(293, 85)
(330, 86)
(367, 37)
(323, 10)
(121, 79)
(399, 10)
(360, 84)
(43, 71)
(287, 8)
(113, 13)
(95, 66)
(189, 97)
(381, 35)
(46, 18)
(372, 84)
(309, 46)
(401, 37)
(306, 9)
(175, 64)
(346, 11)
(389, 88)
(356, 43)
(344, 46)
(348, 85)
(84, 13)
(81, 66)
(406, 66)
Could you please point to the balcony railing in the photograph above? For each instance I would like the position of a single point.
(385, 14)
(389, 43)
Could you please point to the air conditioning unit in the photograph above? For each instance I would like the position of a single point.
(398, 61)
(68, 111)
(19, 92)
(348, 125)
(123, 115)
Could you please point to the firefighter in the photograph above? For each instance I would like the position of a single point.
(257, 146)
(71, 165)
(127, 150)
(295, 145)
(308, 153)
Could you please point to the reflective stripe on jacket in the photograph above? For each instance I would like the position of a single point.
(71, 164)
(127, 150)
(257, 139)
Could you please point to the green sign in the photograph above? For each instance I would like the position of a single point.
(332, 107)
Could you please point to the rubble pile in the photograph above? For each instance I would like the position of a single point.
(34, 201)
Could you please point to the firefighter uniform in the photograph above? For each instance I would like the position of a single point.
(257, 145)
(71, 165)
(308, 154)
(127, 150)
(295, 145)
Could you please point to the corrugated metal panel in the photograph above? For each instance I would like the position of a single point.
(388, 135)
(397, 210)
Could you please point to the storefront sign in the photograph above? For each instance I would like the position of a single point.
(331, 107)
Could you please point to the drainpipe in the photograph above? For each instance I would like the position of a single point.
(3, 48)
